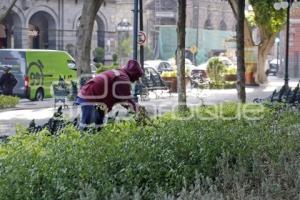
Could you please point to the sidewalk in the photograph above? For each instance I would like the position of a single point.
(42, 111)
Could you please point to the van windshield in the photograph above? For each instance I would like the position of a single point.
(14, 59)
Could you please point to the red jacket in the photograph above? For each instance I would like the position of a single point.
(113, 86)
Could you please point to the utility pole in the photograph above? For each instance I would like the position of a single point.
(286, 75)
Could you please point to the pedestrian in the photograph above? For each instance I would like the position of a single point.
(7, 81)
(98, 95)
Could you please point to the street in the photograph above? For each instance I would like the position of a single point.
(158, 103)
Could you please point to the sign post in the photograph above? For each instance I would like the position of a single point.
(142, 37)
(193, 50)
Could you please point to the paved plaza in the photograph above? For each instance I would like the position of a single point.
(158, 103)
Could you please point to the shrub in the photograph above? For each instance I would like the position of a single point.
(243, 152)
(103, 68)
(216, 70)
(115, 58)
(8, 101)
(230, 70)
(99, 54)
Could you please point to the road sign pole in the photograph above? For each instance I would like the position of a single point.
(141, 29)
(135, 29)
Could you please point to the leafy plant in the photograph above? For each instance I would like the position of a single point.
(104, 68)
(99, 55)
(125, 48)
(216, 70)
(230, 70)
(115, 59)
(230, 150)
(8, 101)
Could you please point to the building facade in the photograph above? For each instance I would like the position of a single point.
(294, 43)
(45, 24)
(294, 46)
(201, 14)
(52, 24)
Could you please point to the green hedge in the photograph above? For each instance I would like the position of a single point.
(8, 101)
(155, 160)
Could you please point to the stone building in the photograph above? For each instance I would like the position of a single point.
(294, 46)
(201, 14)
(45, 24)
(52, 24)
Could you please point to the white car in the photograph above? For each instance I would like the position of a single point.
(188, 65)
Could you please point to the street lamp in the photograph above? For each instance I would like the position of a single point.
(283, 5)
(123, 29)
(124, 25)
(277, 40)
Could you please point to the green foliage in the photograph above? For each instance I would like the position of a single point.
(149, 55)
(103, 68)
(125, 48)
(216, 70)
(245, 151)
(8, 101)
(266, 17)
(230, 70)
(99, 55)
(115, 59)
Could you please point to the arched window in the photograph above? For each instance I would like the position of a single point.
(223, 25)
(208, 24)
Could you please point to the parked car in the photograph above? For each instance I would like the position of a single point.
(188, 65)
(273, 67)
(159, 65)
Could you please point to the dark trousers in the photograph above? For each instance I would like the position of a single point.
(91, 114)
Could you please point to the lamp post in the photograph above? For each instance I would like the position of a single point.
(123, 28)
(277, 40)
(286, 5)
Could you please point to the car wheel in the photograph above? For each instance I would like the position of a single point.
(39, 96)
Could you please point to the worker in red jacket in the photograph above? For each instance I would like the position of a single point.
(100, 94)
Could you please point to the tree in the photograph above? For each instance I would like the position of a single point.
(4, 10)
(240, 85)
(268, 21)
(180, 55)
(125, 49)
(84, 37)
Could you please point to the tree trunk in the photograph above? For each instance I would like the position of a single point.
(263, 47)
(263, 51)
(4, 10)
(180, 55)
(240, 52)
(84, 37)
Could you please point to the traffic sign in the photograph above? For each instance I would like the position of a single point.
(142, 37)
(193, 49)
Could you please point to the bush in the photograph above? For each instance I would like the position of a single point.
(99, 54)
(8, 101)
(115, 58)
(243, 152)
(230, 70)
(216, 70)
(103, 68)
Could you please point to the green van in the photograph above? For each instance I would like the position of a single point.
(36, 70)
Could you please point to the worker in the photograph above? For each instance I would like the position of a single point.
(7, 81)
(98, 95)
